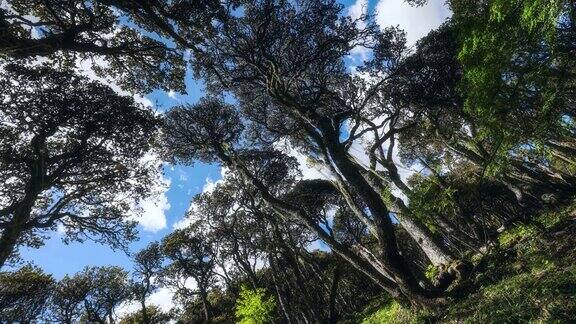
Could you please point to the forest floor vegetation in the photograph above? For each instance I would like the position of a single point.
(529, 276)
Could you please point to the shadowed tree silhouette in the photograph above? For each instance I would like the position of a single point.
(73, 156)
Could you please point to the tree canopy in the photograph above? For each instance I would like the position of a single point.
(430, 152)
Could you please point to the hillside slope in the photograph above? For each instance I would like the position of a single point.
(529, 276)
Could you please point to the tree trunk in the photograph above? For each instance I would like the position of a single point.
(436, 253)
(395, 276)
(145, 318)
(21, 215)
(332, 315)
(12, 233)
(279, 293)
(245, 266)
(383, 227)
(205, 302)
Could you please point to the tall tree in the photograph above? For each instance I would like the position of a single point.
(67, 299)
(118, 38)
(109, 287)
(211, 129)
(191, 256)
(147, 266)
(72, 154)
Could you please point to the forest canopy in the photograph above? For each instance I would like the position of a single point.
(481, 112)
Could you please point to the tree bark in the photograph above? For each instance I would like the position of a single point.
(332, 315)
(205, 303)
(279, 293)
(389, 270)
(13, 231)
(145, 318)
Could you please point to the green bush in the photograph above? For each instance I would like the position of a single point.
(516, 234)
(392, 314)
(254, 307)
(538, 297)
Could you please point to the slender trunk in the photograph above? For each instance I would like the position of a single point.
(333, 316)
(566, 148)
(145, 318)
(436, 253)
(299, 277)
(245, 265)
(205, 303)
(21, 215)
(281, 299)
(396, 277)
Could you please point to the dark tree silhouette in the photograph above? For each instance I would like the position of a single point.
(191, 256)
(71, 155)
(67, 299)
(109, 287)
(92, 30)
(24, 294)
(147, 266)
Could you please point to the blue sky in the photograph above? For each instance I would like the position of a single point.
(186, 181)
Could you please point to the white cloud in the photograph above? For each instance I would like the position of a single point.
(309, 169)
(172, 94)
(154, 210)
(416, 21)
(163, 298)
(210, 185)
(150, 213)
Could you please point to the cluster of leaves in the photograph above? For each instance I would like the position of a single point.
(254, 306)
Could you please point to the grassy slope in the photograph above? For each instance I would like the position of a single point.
(530, 277)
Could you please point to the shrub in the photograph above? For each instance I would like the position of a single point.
(254, 307)
(393, 314)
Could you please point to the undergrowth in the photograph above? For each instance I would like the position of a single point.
(529, 278)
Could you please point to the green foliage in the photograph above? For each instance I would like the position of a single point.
(531, 278)
(510, 83)
(540, 297)
(393, 313)
(432, 271)
(428, 199)
(23, 294)
(517, 233)
(254, 307)
(154, 313)
(553, 219)
(490, 41)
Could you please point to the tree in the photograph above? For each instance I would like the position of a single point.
(109, 34)
(23, 294)
(191, 257)
(153, 315)
(109, 288)
(147, 266)
(235, 230)
(71, 155)
(68, 296)
(196, 132)
(308, 97)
